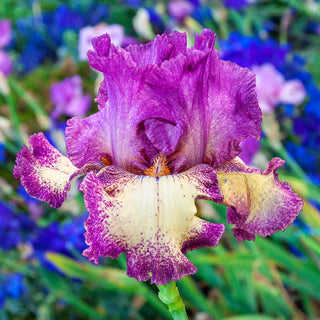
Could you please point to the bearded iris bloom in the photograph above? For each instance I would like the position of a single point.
(167, 132)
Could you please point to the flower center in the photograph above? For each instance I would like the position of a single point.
(106, 161)
(159, 167)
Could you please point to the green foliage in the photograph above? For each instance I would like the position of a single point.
(270, 279)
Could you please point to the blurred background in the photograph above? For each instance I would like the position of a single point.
(45, 79)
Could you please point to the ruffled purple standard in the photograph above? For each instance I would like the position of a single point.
(167, 133)
(163, 97)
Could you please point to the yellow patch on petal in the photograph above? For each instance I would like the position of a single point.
(252, 194)
(235, 190)
(262, 203)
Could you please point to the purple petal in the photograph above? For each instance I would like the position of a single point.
(259, 202)
(44, 172)
(234, 110)
(133, 109)
(88, 140)
(163, 135)
(102, 97)
(250, 147)
(163, 47)
(165, 98)
(151, 219)
(214, 103)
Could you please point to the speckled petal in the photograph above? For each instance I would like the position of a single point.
(151, 219)
(44, 172)
(259, 202)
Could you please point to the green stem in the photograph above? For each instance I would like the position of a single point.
(13, 114)
(169, 294)
(40, 114)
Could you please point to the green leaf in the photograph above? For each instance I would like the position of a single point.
(189, 290)
(251, 317)
(59, 287)
(226, 259)
(110, 279)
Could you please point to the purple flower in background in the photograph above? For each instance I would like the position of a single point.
(86, 34)
(68, 98)
(5, 38)
(179, 9)
(5, 63)
(167, 132)
(272, 88)
(5, 33)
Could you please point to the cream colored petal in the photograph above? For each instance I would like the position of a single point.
(151, 219)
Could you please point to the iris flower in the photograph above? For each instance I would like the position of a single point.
(167, 132)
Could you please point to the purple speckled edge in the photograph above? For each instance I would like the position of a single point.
(38, 168)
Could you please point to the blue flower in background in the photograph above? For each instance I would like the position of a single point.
(11, 286)
(38, 37)
(33, 42)
(14, 228)
(248, 51)
(236, 4)
(306, 123)
(65, 238)
(35, 207)
(202, 14)
(2, 296)
(155, 20)
(133, 3)
(2, 152)
(14, 285)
